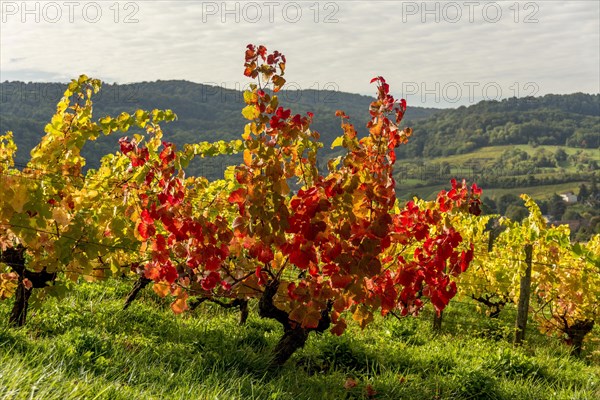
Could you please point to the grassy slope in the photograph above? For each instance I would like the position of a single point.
(86, 347)
(487, 156)
(494, 152)
(542, 192)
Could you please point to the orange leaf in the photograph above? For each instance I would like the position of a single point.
(312, 318)
(161, 288)
(350, 383)
(237, 196)
(370, 392)
(362, 315)
(339, 328)
(27, 283)
(180, 304)
(298, 314)
(248, 157)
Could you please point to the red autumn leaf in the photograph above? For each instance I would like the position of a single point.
(290, 289)
(465, 259)
(261, 275)
(169, 273)
(145, 230)
(262, 51)
(159, 244)
(282, 113)
(238, 196)
(350, 383)
(370, 392)
(330, 269)
(125, 145)
(302, 258)
(341, 281)
(210, 281)
(145, 216)
(212, 263)
(167, 154)
(339, 327)
(475, 207)
(263, 253)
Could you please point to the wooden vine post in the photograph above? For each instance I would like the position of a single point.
(524, 294)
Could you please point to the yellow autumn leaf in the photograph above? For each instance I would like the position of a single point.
(8, 284)
(250, 112)
(277, 261)
(337, 142)
(247, 157)
(19, 198)
(247, 131)
(362, 316)
(282, 187)
(60, 216)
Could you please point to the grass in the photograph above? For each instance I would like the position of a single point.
(86, 347)
(542, 192)
(486, 157)
(494, 152)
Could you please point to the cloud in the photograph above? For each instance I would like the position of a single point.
(553, 45)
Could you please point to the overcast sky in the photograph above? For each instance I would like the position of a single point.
(436, 53)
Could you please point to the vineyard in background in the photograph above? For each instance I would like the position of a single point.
(313, 250)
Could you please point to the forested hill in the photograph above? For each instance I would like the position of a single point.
(213, 113)
(204, 112)
(567, 120)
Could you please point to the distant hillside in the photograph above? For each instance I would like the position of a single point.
(212, 113)
(204, 112)
(565, 120)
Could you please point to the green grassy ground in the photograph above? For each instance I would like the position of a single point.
(542, 192)
(494, 152)
(86, 347)
(485, 157)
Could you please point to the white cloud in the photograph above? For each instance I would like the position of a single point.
(200, 41)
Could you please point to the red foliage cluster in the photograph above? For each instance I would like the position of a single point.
(340, 242)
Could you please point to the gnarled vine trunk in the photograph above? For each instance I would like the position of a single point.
(576, 333)
(18, 315)
(494, 307)
(141, 283)
(14, 257)
(294, 336)
(437, 321)
(242, 304)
